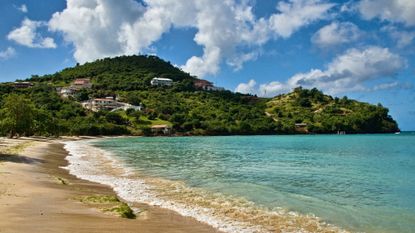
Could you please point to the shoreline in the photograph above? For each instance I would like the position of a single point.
(37, 195)
(224, 213)
(91, 163)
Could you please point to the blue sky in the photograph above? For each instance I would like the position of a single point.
(364, 49)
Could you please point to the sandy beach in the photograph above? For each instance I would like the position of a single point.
(37, 195)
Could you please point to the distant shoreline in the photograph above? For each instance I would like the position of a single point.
(88, 137)
(225, 135)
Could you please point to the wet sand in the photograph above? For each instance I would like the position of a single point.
(33, 197)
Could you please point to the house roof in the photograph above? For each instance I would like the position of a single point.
(202, 82)
(23, 83)
(160, 126)
(81, 81)
(103, 99)
(162, 79)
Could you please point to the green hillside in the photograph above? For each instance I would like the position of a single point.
(315, 112)
(121, 73)
(190, 111)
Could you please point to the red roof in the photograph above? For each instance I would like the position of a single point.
(23, 84)
(201, 83)
(81, 81)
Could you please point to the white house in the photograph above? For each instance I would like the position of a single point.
(108, 103)
(126, 106)
(161, 82)
(67, 91)
(157, 129)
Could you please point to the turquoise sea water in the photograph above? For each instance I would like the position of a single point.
(358, 182)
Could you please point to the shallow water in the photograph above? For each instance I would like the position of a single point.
(358, 182)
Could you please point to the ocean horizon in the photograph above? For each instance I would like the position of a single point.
(294, 183)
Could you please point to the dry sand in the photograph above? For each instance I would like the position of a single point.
(33, 199)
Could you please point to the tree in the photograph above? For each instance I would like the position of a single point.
(45, 124)
(115, 118)
(82, 95)
(18, 114)
(305, 102)
(133, 99)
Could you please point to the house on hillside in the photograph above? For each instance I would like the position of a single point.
(110, 104)
(202, 84)
(22, 84)
(161, 129)
(81, 83)
(301, 127)
(77, 84)
(161, 82)
(97, 104)
(66, 92)
(126, 106)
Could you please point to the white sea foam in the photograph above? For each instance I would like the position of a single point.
(97, 165)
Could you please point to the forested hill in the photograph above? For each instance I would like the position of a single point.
(184, 106)
(312, 111)
(120, 73)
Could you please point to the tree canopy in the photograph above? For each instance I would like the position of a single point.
(17, 116)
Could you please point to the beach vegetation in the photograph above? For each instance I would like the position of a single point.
(123, 210)
(100, 199)
(116, 206)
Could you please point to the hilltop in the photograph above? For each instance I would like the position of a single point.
(121, 73)
(311, 111)
(185, 105)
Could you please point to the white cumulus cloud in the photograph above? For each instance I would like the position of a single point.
(7, 53)
(403, 38)
(351, 71)
(295, 14)
(390, 10)
(27, 35)
(94, 26)
(222, 26)
(273, 88)
(336, 33)
(247, 88)
(265, 90)
(228, 31)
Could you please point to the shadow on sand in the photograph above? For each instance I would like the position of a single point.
(19, 159)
